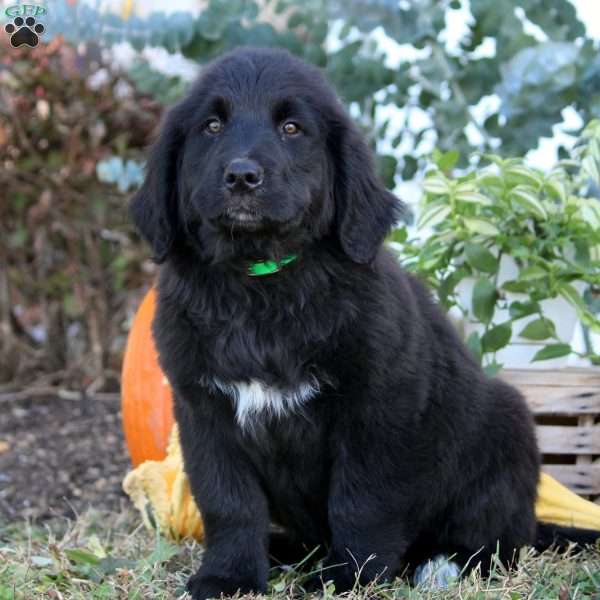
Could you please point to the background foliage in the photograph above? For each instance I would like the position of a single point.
(534, 76)
(71, 127)
(70, 263)
(518, 237)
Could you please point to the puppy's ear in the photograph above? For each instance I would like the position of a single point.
(365, 210)
(153, 208)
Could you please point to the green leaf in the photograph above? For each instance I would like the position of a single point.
(433, 214)
(481, 227)
(590, 321)
(78, 556)
(588, 166)
(474, 345)
(516, 287)
(531, 273)
(162, 552)
(473, 198)
(518, 310)
(431, 254)
(387, 169)
(497, 337)
(556, 188)
(449, 283)
(447, 160)
(436, 184)
(552, 351)
(109, 564)
(572, 296)
(296, 19)
(526, 198)
(489, 179)
(399, 235)
(540, 329)
(520, 174)
(409, 168)
(590, 213)
(480, 258)
(95, 546)
(484, 300)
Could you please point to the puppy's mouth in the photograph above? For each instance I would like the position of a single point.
(242, 218)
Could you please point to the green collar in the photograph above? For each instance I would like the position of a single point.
(266, 267)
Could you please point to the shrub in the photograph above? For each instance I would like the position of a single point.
(544, 223)
(71, 264)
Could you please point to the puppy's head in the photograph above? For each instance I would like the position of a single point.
(258, 159)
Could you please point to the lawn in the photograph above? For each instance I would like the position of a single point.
(109, 555)
(78, 459)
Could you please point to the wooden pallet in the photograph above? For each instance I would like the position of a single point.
(566, 405)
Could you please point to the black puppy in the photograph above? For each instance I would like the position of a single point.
(317, 385)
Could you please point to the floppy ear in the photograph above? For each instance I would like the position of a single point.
(365, 210)
(153, 208)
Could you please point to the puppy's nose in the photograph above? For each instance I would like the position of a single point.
(243, 174)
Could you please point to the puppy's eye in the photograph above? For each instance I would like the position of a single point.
(290, 128)
(214, 126)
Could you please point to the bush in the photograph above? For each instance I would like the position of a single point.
(532, 80)
(547, 225)
(65, 297)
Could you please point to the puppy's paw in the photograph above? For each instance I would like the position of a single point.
(202, 586)
(436, 573)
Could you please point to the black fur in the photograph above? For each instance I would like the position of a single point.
(407, 450)
(562, 538)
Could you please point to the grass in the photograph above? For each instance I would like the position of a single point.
(102, 556)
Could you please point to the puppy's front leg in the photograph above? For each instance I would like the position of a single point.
(360, 553)
(233, 506)
(369, 536)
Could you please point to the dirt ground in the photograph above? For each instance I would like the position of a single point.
(60, 456)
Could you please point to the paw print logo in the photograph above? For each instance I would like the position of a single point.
(24, 31)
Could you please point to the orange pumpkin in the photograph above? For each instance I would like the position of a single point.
(147, 403)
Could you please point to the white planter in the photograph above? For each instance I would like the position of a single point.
(520, 351)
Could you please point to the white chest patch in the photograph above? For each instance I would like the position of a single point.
(256, 401)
